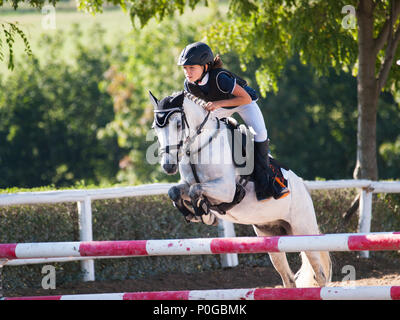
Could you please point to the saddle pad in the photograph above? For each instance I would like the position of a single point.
(239, 138)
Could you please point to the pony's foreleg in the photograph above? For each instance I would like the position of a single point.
(178, 194)
(179, 191)
(218, 190)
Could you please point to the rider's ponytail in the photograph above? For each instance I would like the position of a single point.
(217, 63)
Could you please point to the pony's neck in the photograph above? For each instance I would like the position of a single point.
(195, 114)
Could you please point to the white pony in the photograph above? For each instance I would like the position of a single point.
(191, 138)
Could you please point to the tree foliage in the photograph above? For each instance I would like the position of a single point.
(311, 114)
(312, 124)
(273, 31)
(321, 34)
(143, 67)
(51, 113)
(7, 38)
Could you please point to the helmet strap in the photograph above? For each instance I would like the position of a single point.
(203, 74)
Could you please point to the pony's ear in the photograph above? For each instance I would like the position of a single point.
(153, 100)
(178, 99)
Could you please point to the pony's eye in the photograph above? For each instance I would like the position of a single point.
(178, 125)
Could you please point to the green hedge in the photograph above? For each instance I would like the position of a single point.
(154, 217)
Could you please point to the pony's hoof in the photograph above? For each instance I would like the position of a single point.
(195, 192)
(174, 194)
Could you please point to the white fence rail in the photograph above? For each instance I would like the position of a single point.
(367, 189)
(226, 229)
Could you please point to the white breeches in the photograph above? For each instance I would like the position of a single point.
(251, 115)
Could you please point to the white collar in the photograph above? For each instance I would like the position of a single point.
(204, 80)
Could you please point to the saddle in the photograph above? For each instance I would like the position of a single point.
(240, 141)
(241, 144)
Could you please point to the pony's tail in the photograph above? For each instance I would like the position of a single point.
(305, 277)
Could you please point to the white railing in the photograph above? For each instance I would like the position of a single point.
(225, 229)
(84, 199)
(367, 189)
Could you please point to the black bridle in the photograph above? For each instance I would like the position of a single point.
(161, 120)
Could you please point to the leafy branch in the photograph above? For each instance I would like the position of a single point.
(7, 40)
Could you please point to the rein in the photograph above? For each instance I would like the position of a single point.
(189, 153)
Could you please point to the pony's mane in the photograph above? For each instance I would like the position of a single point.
(194, 99)
(190, 96)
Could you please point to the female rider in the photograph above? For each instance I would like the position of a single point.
(226, 94)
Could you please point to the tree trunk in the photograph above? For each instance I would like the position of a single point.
(368, 94)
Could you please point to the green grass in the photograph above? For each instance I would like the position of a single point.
(115, 22)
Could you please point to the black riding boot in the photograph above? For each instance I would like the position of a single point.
(264, 180)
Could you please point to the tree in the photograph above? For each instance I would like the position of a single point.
(273, 31)
(361, 36)
(318, 31)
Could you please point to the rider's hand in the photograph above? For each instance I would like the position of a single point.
(211, 106)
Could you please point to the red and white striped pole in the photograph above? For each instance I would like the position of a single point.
(328, 242)
(325, 293)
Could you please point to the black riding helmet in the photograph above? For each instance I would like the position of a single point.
(196, 53)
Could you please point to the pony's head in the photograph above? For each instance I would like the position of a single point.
(169, 125)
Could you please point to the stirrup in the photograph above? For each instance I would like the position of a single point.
(283, 192)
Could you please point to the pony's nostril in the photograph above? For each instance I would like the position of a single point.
(169, 168)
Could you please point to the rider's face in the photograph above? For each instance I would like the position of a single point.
(193, 72)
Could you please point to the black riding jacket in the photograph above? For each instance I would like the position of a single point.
(211, 91)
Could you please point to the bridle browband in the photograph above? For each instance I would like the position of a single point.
(161, 122)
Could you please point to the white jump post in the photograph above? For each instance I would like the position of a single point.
(226, 229)
(86, 234)
(364, 221)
